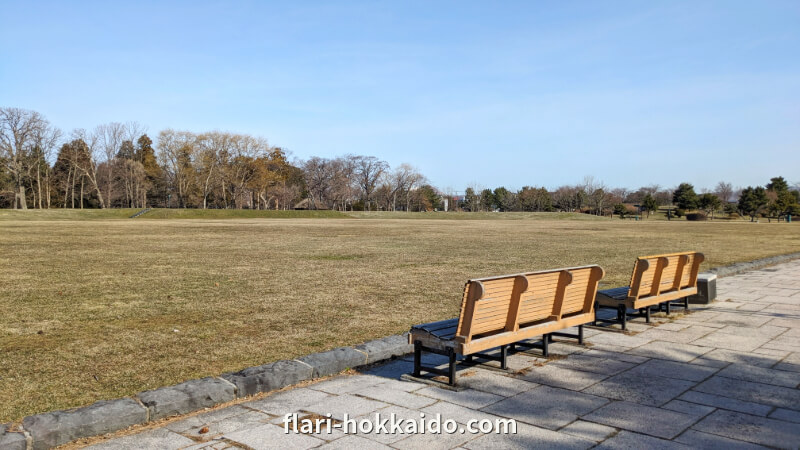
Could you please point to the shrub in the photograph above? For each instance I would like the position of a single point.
(696, 216)
(680, 212)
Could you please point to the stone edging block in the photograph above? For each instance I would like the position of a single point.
(268, 377)
(334, 361)
(735, 269)
(11, 440)
(187, 397)
(386, 348)
(59, 427)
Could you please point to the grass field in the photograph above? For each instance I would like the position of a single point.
(103, 308)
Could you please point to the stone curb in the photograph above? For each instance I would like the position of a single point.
(46, 430)
(736, 269)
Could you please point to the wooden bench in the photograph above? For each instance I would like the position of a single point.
(656, 280)
(499, 312)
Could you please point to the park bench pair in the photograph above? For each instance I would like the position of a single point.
(508, 311)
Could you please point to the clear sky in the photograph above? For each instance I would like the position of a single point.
(536, 93)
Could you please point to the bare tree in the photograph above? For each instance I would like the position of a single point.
(724, 191)
(20, 131)
(368, 170)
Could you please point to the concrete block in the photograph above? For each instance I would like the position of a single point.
(758, 430)
(334, 361)
(187, 397)
(268, 377)
(706, 289)
(59, 427)
(386, 348)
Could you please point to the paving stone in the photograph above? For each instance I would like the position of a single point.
(618, 356)
(672, 326)
(731, 341)
(493, 382)
(285, 402)
(334, 361)
(787, 415)
(268, 377)
(160, 438)
(744, 427)
(741, 318)
(764, 331)
(588, 430)
(640, 388)
(400, 414)
(401, 385)
(697, 439)
(770, 352)
(683, 336)
(267, 437)
(619, 339)
(787, 367)
(393, 396)
(187, 397)
(347, 404)
(783, 344)
(547, 407)
(344, 384)
(761, 375)
(693, 409)
(764, 394)
(352, 441)
(628, 440)
(592, 364)
(468, 397)
(563, 377)
(673, 369)
(227, 425)
(458, 413)
(430, 441)
(59, 427)
(671, 350)
(731, 356)
(199, 420)
(732, 404)
(529, 436)
(393, 369)
(642, 419)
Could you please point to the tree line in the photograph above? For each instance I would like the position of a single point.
(119, 165)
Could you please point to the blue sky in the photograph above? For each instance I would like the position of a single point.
(471, 93)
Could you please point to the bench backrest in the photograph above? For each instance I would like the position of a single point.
(510, 302)
(659, 274)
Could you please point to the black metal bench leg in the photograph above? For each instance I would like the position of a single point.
(667, 306)
(622, 313)
(647, 315)
(545, 349)
(417, 358)
(503, 356)
(580, 334)
(452, 367)
(596, 308)
(685, 303)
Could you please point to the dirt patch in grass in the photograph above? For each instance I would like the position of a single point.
(130, 305)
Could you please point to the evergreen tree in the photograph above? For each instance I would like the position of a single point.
(684, 197)
(753, 201)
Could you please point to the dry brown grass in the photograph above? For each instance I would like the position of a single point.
(107, 308)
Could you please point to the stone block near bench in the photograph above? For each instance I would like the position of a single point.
(706, 289)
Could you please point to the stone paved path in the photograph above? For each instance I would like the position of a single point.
(726, 376)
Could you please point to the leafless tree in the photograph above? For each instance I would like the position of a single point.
(724, 191)
(368, 170)
(20, 131)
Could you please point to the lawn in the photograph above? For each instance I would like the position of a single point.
(103, 308)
